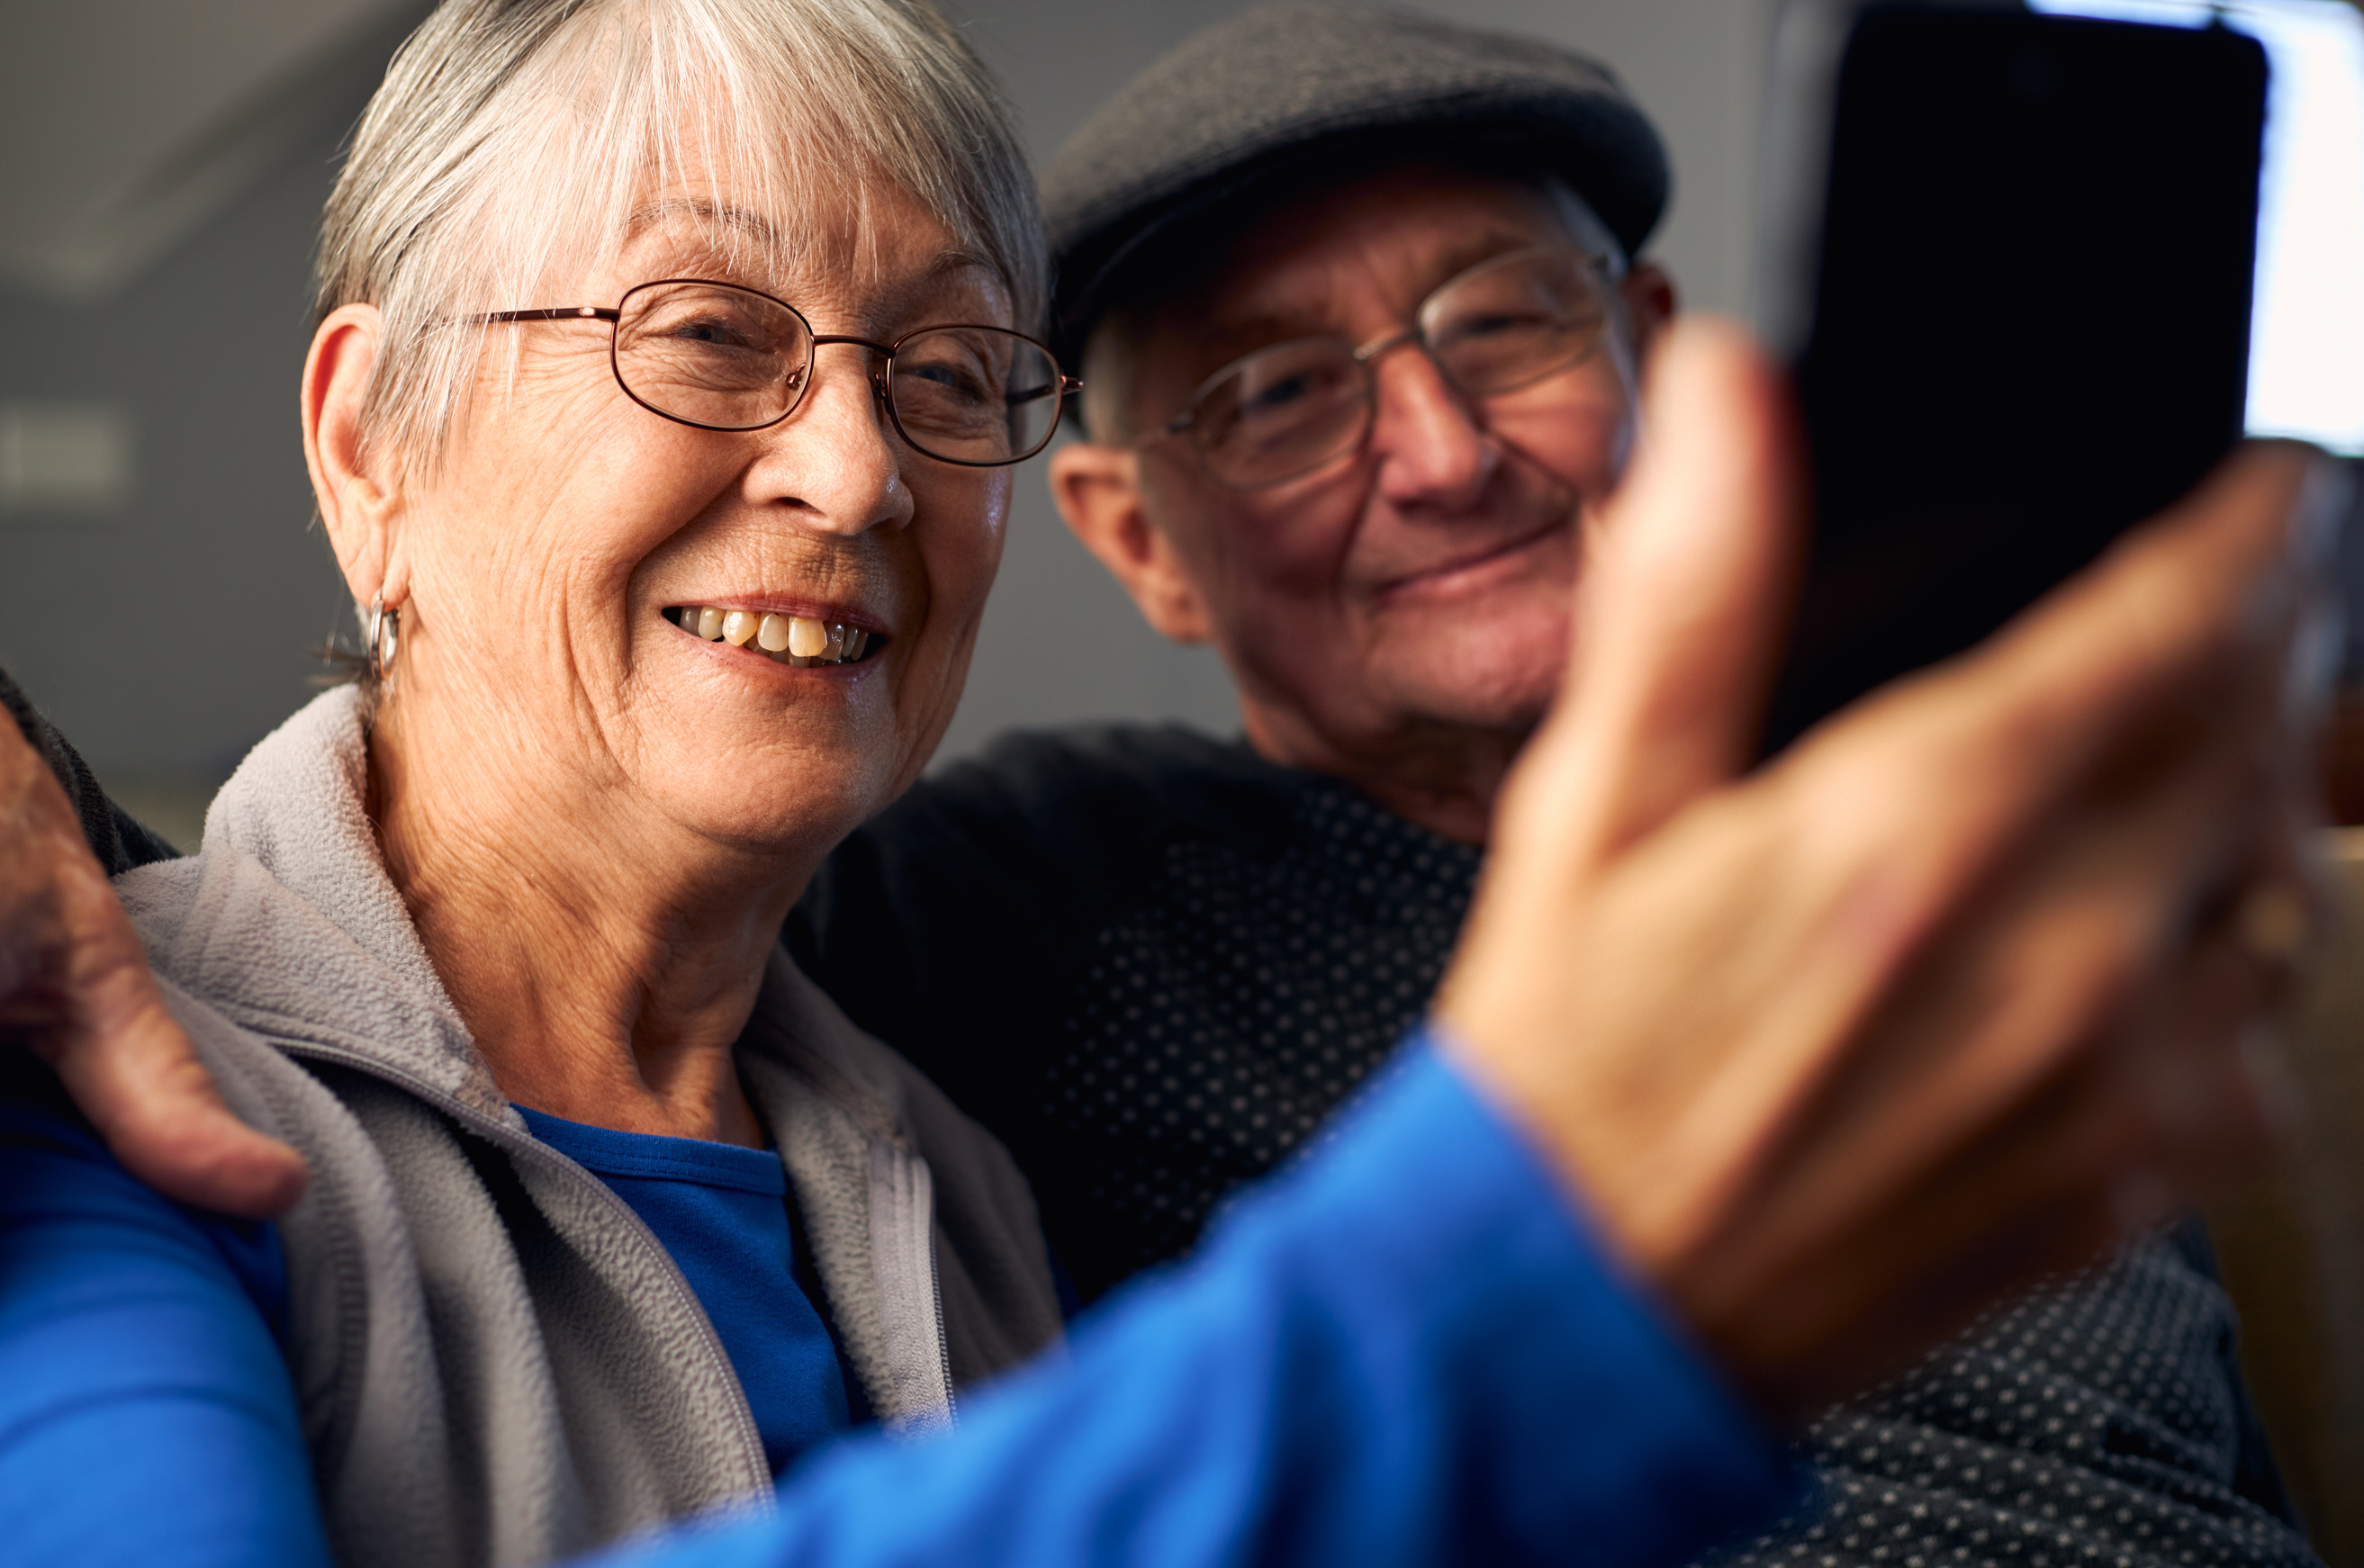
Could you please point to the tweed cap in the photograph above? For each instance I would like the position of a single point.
(1276, 86)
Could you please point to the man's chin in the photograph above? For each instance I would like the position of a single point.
(1472, 674)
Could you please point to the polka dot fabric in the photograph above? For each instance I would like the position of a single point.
(1227, 1012)
(2090, 1424)
(1154, 965)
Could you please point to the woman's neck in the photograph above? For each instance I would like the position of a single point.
(605, 962)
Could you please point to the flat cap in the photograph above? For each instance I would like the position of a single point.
(1278, 84)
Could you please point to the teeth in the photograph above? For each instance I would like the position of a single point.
(788, 639)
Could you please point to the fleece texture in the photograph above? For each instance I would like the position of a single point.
(495, 1362)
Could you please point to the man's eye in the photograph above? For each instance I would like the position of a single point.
(1505, 323)
(1278, 397)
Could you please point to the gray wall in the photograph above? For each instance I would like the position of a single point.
(170, 631)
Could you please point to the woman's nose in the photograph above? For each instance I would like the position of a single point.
(1430, 440)
(837, 459)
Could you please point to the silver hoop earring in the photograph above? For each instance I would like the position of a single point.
(385, 639)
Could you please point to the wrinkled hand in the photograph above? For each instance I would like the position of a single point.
(1956, 990)
(74, 986)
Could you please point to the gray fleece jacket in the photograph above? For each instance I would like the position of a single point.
(495, 1360)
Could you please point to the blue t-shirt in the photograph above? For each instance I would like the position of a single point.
(722, 1212)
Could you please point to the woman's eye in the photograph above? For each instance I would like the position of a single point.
(708, 330)
(945, 375)
(950, 378)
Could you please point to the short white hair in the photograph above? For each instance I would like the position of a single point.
(514, 142)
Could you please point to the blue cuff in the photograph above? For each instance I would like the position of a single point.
(1602, 1423)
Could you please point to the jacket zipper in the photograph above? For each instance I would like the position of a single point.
(512, 1143)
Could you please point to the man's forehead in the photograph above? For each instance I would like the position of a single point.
(1277, 85)
(1386, 241)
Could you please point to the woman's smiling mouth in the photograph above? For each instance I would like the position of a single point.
(797, 640)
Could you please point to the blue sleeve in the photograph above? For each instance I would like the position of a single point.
(1406, 1350)
(146, 1415)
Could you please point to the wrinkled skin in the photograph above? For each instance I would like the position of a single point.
(606, 969)
(1399, 618)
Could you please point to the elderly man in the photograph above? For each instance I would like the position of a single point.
(1359, 305)
(1359, 329)
(1360, 310)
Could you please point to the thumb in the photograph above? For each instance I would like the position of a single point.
(1685, 601)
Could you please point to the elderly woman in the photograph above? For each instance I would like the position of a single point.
(670, 367)
(652, 552)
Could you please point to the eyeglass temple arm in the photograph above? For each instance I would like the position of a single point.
(555, 313)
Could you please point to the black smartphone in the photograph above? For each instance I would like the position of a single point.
(2008, 256)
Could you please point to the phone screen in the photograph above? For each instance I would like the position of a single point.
(2024, 317)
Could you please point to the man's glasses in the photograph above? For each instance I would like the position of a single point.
(1505, 324)
(725, 358)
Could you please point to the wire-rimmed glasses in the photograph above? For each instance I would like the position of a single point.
(719, 357)
(1503, 324)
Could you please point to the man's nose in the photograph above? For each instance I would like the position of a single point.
(837, 459)
(1430, 438)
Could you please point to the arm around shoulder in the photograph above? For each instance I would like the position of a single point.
(1408, 1351)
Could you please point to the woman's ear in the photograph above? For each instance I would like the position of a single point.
(1097, 491)
(354, 483)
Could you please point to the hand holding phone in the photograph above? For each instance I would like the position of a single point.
(2008, 259)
